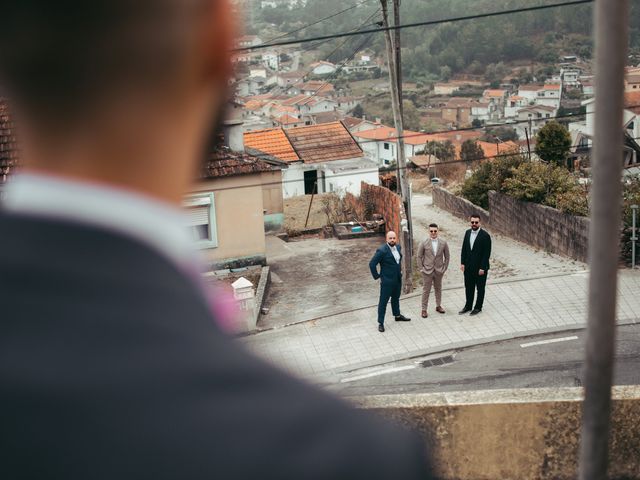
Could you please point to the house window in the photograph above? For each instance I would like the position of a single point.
(200, 219)
(548, 115)
(386, 146)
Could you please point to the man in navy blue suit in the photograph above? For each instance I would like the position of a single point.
(388, 256)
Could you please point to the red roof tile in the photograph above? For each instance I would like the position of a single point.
(8, 143)
(225, 163)
(324, 142)
(272, 141)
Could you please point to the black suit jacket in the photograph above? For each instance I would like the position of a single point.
(477, 258)
(111, 366)
(390, 270)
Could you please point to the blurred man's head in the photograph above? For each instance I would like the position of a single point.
(474, 220)
(127, 79)
(433, 231)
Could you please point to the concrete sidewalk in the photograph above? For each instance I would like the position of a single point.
(327, 349)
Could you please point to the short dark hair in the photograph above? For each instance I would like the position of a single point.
(58, 58)
(433, 225)
(474, 216)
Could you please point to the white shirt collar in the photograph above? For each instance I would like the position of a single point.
(159, 225)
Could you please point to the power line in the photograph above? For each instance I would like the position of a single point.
(417, 24)
(511, 153)
(364, 24)
(440, 132)
(284, 35)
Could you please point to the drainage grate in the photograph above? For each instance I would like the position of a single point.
(435, 362)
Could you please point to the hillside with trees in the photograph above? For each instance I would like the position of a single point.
(478, 47)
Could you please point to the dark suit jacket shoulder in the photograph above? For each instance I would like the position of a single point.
(390, 270)
(111, 366)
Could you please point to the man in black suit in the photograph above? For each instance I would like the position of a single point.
(112, 360)
(474, 262)
(388, 256)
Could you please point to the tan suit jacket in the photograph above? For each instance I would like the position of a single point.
(428, 262)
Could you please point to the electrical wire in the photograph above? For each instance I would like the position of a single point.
(417, 24)
(284, 35)
(510, 153)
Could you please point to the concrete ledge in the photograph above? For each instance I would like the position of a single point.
(512, 434)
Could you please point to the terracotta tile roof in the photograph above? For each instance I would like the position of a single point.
(494, 93)
(552, 86)
(8, 143)
(287, 120)
(272, 141)
(324, 142)
(491, 150)
(632, 102)
(327, 117)
(388, 133)
(351, 122)
(225, 163)
(317, 86)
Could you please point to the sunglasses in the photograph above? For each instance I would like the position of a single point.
(433, 231)
(475, 223)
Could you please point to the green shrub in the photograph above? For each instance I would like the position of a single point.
(549, 185)
(488, 176)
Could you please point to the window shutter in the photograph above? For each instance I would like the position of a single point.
(197, 216)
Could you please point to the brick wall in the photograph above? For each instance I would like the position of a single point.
(388, 204)
(536, 225)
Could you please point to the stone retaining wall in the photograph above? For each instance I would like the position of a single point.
(527, 434)
(536, 225)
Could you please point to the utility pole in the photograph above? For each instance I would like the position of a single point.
(393, 54)
(611, 30)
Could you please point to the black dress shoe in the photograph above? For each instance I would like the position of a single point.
(464, 310)
(402, 318)
(380, 327)
(475, 311)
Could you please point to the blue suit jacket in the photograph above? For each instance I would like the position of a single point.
(390, 270)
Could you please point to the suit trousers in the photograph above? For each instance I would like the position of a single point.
(435, 279)
(388, 291)
(471, 282)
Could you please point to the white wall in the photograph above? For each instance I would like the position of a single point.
(349, 180)
(293, 180)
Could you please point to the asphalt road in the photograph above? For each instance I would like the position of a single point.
(542, 361)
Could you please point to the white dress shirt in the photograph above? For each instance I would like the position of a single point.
(434, 246)
(395, 252)
(472, 237)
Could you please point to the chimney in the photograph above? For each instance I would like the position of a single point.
(234, 135)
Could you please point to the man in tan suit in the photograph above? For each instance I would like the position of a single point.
(433, 261)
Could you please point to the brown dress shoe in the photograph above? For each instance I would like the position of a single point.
(424, 314)
(439, 309)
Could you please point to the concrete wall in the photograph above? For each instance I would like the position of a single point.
(536, 225)
(527, 434)
(542, 227)
(239, 221)
(458, 206)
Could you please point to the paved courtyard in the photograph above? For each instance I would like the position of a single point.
(326, 350)
(322, 324)
(314, 278)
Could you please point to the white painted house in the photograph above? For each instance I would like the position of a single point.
(321, 158)
(323, 68)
